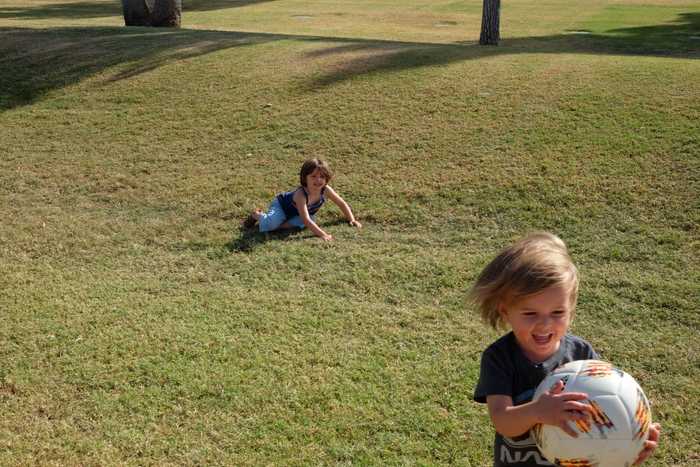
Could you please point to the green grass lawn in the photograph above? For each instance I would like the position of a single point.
(141, 327)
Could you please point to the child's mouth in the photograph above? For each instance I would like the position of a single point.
(542, 339)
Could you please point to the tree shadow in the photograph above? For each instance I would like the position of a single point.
(34, 62)
(208, 5)
(85, 10)
(680, 39)
(77, 10)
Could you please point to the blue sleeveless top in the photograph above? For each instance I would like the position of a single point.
(286, 200)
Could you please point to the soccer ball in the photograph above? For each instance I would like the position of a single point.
(615, 434)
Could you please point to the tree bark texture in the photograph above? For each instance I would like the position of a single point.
(167, 13)
(490, 23)
(157, 13)
(136, 12)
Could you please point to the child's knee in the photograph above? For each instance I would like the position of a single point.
(268, 223)
(272, 219)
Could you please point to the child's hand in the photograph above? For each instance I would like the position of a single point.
(557, 408)
(356, 223)
(650, 444)
(327, 237)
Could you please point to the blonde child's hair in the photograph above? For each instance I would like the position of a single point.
(529, 266)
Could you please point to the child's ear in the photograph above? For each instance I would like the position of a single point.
(502, 311)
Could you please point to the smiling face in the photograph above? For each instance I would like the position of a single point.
(539, 321)
(312, 171)
(316, 180)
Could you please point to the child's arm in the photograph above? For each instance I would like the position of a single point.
(552, 408)
(300, 202)
(345, 207)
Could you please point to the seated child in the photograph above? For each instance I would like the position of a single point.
(297, 208)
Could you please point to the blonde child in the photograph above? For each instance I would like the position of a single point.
(531, 287)
(297, 208)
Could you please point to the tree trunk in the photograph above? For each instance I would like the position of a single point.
(157, 13)
(490, 23)
(167, 13)
(137, 12)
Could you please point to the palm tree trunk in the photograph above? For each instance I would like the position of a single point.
(490, 23)
(136, 12)
(166, 13)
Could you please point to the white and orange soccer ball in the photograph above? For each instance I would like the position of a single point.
(615, 434)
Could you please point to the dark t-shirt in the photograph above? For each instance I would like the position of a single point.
(506, 371)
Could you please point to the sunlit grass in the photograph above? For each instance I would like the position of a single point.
(142, 327)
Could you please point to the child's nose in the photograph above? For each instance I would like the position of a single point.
(544, 321)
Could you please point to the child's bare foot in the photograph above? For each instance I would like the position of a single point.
(252, 218)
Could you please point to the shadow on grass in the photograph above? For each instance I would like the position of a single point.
(36, 61)
(249, 239)
(207, 5)
(85, 10)
(680, 39)
(79, 10)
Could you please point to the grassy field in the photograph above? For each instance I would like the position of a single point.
(141, 327)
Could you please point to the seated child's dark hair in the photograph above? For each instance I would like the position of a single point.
(312, 164)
